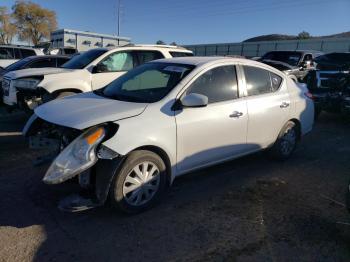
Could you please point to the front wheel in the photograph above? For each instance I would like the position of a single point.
(140, 182)
(286, 142)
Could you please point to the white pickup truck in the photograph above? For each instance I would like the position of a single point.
(94, 69)
(10, 54)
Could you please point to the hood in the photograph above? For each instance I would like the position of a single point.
(87, 109)
(36, 71)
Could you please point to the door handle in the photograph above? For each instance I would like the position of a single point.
(284, 105)
(236, 114)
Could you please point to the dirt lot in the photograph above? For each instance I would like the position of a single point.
(251, 209)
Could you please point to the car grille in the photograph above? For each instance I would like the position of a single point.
(326, 79)
(6, 86)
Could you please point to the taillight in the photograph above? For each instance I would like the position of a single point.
(309, 95)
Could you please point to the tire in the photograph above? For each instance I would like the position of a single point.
(128, 188)
(286, 142)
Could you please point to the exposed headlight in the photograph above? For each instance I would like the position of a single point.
(27, 83)
(77, 157)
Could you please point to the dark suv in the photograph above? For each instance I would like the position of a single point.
(330, 83)
(296, 64)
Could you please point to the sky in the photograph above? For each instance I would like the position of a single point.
(200, 21)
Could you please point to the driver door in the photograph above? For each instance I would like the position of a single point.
(114, 65)
(217, 131)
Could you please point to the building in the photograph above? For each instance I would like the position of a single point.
(84, 40)
(255, 49)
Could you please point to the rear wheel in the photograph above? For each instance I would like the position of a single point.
(140, 182)
(286, 142)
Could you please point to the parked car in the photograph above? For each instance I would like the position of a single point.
(10, 54)
(68, 51)
(164, 119)
(296, 64)
(330, 83)
(31, 62)
(88, 71)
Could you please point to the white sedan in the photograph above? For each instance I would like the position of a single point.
(166, 118)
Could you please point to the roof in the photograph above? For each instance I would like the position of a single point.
(20, 46)
(198, 60)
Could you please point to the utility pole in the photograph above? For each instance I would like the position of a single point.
(118, 33)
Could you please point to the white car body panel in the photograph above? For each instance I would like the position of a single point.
(92, 110)
(192, 138)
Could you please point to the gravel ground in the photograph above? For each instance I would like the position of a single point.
(250, 209)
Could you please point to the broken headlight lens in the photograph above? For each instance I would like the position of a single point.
(77, 157)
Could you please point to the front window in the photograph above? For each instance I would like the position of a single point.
(288, 57)
(147, 83)
(82, 60)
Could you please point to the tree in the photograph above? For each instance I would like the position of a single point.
(173, 43)
(7, 28)
(160, 42)
(33, 22)
(304, 35)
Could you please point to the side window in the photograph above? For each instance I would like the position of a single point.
(218, 84)
(258, 80)
(6, 53)
(120, 61)
(180, 54)
(49, 62)
(61, 61)
(27, 52)
(17, 53)
(308, 57)
(276, 81)
(146, 56)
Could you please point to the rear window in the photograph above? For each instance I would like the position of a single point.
(180, 54)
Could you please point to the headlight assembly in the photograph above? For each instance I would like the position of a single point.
(27, 83)
(77, 157)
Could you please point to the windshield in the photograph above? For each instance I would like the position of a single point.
(291, 58)
(82, 60)
(147, 83)
(18, 65)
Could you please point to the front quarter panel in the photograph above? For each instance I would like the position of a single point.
(154, 127)
(78, 79)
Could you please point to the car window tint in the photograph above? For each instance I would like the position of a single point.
(180, 54)
(27, 52)
(6, 53)
(257, 80)
(146, 56)
(121, 61)
(218, 84)
(276, 81)
(48, 62)
(17, 53)
(61, 61)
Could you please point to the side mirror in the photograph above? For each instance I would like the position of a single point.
(99, 68)
(194, 100)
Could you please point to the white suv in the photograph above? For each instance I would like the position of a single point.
(164, 119)
(10, 54)
(85, 72)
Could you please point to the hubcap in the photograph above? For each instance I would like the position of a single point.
(288, 141)
(141, 183)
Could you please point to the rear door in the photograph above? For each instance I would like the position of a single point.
(216, 132)
(268, 105)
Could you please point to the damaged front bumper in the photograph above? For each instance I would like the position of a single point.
(78, 154)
